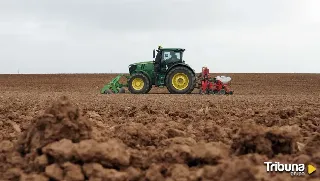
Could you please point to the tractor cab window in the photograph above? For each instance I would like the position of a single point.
(168, 55)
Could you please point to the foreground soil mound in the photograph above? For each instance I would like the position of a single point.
(61, 120)
(58, 146)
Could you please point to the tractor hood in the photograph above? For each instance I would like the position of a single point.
(140, 63)
(146, 67)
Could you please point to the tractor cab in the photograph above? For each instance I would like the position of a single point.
(167, 57)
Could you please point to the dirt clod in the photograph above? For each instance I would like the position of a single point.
(72, 172)
(268, 141)
(61, 150)
(6, 146)
(95, 171)
(54, 171)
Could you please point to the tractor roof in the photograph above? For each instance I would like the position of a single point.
(173, 49)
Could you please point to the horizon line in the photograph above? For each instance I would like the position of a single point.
(128, 73)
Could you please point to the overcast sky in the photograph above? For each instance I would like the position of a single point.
(87, 36)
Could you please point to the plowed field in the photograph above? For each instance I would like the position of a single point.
(59, 127)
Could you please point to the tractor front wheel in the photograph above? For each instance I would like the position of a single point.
(139, 84)
(180, 80)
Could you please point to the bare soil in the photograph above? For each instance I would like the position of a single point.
(59, 127)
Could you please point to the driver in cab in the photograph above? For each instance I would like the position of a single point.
(173, 59)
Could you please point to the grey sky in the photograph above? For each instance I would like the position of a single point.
(86, 36)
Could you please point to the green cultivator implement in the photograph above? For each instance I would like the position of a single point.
(114, 86)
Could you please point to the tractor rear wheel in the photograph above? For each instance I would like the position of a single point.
(180, 80)
(139, 84)
(150, 87)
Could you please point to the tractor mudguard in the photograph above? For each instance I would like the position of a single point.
(142, 72)
(181, 64)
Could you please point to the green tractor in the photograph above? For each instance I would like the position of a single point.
(166, 70)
